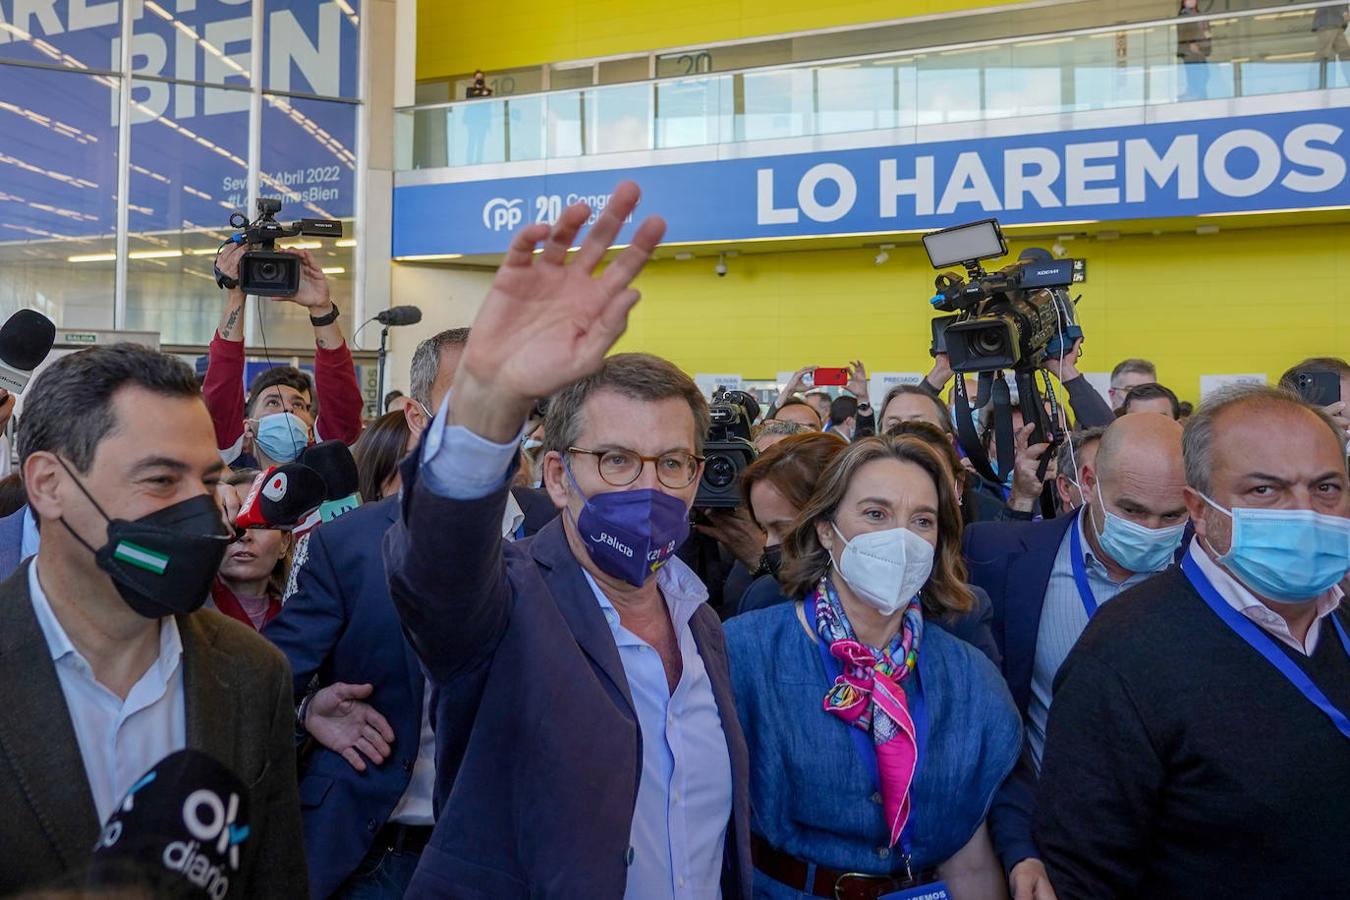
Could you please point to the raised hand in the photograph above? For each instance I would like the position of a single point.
(1065, 367)
(1027, 483)
(797, 383)
(547, 322)
(857, 381)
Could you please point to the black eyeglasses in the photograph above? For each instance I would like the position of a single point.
(620, 467)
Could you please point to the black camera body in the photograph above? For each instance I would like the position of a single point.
(268, 272)
(727, 450)
(1009, 318)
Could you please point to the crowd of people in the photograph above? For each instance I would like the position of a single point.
(528, 665)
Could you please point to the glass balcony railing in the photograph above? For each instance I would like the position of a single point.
(1251, 53)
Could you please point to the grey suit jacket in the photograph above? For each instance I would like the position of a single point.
(237, 690)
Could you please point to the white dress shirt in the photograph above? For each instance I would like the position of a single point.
(28, 545)
(414, 807)
(1236, 595)
(120, 740)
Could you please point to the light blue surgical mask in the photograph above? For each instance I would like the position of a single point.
(1137, 547)
(282, 436)
(1286, 555)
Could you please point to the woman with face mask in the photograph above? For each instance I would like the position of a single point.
(876, 743)
(249, 583)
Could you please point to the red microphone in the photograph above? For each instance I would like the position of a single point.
(281, 498)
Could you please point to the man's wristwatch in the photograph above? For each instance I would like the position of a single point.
(325, 320)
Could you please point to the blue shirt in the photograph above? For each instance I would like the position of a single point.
(684, 795)
(29, 545)
(812, 795)
(1062, 622)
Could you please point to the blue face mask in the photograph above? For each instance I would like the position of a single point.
(282, 436)
(631, 534)
(1286, 555)
(1134, 546)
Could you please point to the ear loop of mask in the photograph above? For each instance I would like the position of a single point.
(88, 496)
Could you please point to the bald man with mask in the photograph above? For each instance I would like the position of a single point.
(1199, 744)
(1047, 579)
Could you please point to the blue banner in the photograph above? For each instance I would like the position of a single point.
(189, 141)
(1277, 161)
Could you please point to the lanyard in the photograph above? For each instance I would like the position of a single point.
(1265, 645)
(1080, 576)
(867, 752)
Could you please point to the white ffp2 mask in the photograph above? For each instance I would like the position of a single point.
(885, 568)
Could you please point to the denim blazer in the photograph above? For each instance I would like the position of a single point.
(811, 795)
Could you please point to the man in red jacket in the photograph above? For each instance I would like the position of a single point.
(282, 413)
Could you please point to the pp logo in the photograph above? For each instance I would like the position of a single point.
(499, 213)
(275, 488)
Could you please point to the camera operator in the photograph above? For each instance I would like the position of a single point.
(279, 419)
(1089, 409)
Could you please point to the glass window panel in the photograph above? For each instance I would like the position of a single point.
(58, 194)
(312, 47)
(566, 77)
(565, 130)
(693, 112)
(949, 88)
(775, 104)
(207, 41)
(308, 159)
(187, 176)
(856, 97)
(477, 132)
(619, 118)
(525, 127)
(84, 35)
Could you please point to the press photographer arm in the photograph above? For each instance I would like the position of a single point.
(1090, 409)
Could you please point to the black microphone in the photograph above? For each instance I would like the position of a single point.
(333, 460)
(282, 497)
(25, 340)
(183, 830)
(399, 315)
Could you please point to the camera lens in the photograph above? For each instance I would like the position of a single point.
(990, 342)
(268, 270)
(720, 472)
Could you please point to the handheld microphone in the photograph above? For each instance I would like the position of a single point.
(399, 315)
(281, 497)
(334, 462)
(25, 340)
(184, 827)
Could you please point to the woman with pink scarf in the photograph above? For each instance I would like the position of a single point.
(876, 744)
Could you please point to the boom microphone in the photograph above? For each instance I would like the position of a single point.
(334, 462)
(399, 315)
(281, 498)
(183, 827)
(25, 340)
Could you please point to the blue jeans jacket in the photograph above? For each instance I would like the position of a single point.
(810, 793)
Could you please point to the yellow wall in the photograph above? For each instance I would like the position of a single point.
(1240, 301)
(453, 38)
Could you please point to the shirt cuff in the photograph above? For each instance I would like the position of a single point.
(460, 465)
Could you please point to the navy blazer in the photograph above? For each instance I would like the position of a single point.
(341, 625)
(538, 745)
(11, 542)
(1012, 561)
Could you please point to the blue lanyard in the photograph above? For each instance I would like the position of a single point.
(1080, 575)
(1265, 645)
(867, 751)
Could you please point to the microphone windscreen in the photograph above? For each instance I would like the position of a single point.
(333, 460)
(183, 828)
(281, 497)
(25, 340)
(400, 315)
